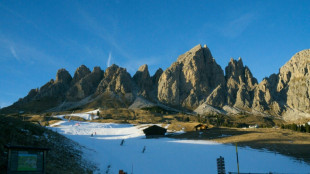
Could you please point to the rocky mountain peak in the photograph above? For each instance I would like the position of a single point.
(240, 73)
(63, 76)
(234, 69)
(86, 86)
(143, 68)
(116, 80)
(80, 72)
(294, 82)
(142, 73)
(96, 69)
(197, 52)
(240, 84)
(191, 79)
(157, 75)
(297, 67)
(143, 80)
(111, 70)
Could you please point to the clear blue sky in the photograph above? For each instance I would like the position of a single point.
(39, 37)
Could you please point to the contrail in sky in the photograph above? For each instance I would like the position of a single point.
(109, 59)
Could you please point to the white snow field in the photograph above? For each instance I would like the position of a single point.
(86, 115)
(166, 155)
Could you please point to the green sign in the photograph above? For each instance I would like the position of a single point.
(27, 162)
(22, 159)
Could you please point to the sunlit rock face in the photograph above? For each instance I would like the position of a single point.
(191, 79)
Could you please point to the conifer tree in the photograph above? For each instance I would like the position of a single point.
(307, 127)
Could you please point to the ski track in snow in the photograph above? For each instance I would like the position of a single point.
(166, 155)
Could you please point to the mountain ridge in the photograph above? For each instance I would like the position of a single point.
(195, 79)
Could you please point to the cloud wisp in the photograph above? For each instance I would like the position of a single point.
(29, 54)
(109, 60)
(106, 32)
(13, 52)
(237, 26)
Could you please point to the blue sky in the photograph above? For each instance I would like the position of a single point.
(39, 37)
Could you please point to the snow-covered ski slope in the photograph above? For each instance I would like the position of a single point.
(165, 155)
(87, 115)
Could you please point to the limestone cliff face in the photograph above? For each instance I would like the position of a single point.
(218, 97)
(240, 84)
(154, 87)
(189, 81)
(266, 96)
(116, 80)
(81, 72)
(294, 84)
(294, 81)
(156, 76)
(58, 87)
(86, 85)
(286, 93)
(143, 80)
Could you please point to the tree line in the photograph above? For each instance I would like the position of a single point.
(298, 128)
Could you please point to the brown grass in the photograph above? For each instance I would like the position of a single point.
(286, 142)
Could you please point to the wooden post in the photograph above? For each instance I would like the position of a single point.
(237, 158)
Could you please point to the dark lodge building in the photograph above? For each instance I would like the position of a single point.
(154, 131)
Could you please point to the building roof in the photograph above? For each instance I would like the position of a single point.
(155, 130)
(201, 125)
(26, 147)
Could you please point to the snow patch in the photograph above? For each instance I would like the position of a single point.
(87, 116)
(93, 111)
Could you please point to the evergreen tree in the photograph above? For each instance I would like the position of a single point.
(294, 127)
(302, 128)
(307, 127)
(198, 116)
(298, 128)
(187, 119)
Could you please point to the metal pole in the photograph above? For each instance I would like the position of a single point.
(237, 158)
(132, 168)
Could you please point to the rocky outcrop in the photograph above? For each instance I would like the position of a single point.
(189, 81)
(143, 80)
(266, 96)
(217, 97)
(155, 77)
(86, 86)
(116, 80)
(294, 84)
(56, 88)
(294, 81)
(240, 84)
(80, 73)
(154, 86)
(63, 76)
(286, 93)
